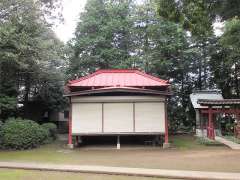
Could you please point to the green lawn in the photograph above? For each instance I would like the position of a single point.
(184, 142)
(40, 175)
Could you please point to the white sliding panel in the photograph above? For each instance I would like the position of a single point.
(150, 117)
(86, 118)
(118, 117)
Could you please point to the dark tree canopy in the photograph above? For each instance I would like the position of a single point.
(30, 56)
(198, 16)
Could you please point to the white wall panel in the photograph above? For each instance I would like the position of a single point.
(86, 118)
(149, 117)
(118, 117)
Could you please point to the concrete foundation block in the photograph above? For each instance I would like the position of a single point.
(166, 145)
(118, 146)
(70, 146)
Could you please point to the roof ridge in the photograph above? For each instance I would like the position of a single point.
(117, 70)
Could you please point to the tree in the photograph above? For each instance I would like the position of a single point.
(28, 49)
(198, 16)
(115, 34)
(194, 16)
(102, 38)
(216, 59)
(226, 60)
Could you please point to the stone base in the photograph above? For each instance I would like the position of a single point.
(118, 146)
(70, 146)
(166, 145)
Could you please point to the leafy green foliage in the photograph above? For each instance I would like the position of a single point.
(102, 38)
(22, 134)
(225, 63)
(126, 34)
(226, 9)
(31, 57)
(198, 16)
(194, 15)
(214, 62)
(52, 129)
(8, 105)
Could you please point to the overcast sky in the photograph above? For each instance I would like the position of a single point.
(71, 11)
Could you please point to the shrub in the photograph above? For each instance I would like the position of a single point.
(52, 129)
(22, 134)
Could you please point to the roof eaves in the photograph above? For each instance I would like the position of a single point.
(118, 89)
(218, 101)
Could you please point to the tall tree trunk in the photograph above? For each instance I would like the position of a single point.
(236, 76)
(204, 68)
(200, 74)
(27, 85)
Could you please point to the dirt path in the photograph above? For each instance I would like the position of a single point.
(225, 160)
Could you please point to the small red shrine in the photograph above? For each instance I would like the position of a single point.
(217, 106)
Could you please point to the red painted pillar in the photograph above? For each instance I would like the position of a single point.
(166, 124)
(70, 123)
(210, 131)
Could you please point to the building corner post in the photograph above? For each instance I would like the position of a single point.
(70, 144)
(166, 143)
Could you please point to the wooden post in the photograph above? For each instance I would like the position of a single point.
(211, 134)
(198, 124)
(166, 142)
(70, 144)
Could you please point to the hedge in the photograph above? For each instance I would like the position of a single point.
(17, 133)
(52, 131)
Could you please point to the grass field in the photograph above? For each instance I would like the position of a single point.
(186, 154)
(40, 175)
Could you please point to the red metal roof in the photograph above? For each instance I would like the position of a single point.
(118, 78)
